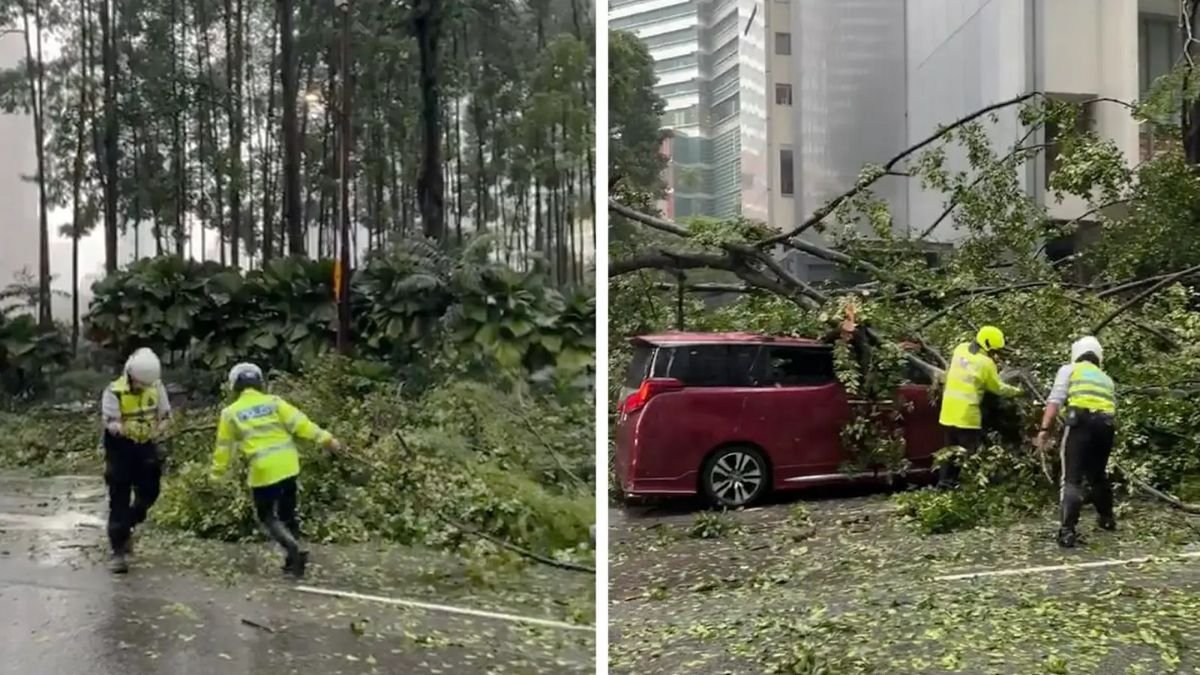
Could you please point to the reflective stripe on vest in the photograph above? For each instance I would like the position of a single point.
(263, 453)
(1091, 389)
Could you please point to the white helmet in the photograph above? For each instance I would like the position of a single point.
(248, 370)
(143, 367)
(1084, 345)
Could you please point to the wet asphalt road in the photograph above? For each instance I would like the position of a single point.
(61, 611)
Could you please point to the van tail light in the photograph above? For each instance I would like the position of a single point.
(649, 389)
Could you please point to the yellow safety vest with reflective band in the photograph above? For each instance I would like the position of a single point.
(1091, 389)
(263, 428)
(139, 410)
(970, 376)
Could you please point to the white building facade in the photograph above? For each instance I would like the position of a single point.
(876, 76)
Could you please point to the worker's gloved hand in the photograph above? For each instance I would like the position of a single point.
(334, 445)
(114, 428)
(1010, 375)
(1043, 440)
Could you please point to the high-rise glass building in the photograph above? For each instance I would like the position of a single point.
(710, 60)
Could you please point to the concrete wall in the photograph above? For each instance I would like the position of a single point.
(962, 55)
(18, 217)
(781, 132)
(1091, 48)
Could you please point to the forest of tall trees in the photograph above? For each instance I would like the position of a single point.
(221, 120)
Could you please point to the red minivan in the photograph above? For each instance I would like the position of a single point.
(735, 415)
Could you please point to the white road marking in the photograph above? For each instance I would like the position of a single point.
(1066, 567)
(446, 608)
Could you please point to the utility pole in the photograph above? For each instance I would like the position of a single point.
(343, 262)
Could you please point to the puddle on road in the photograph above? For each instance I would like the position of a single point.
(65, 521)
(51, 519)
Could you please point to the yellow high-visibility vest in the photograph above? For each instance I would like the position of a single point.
(139, 410)
(1091, 389)
(970, 376)
(264, 427)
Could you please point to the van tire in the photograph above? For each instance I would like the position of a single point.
(743, 461)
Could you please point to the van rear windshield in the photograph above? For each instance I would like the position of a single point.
(643, 354)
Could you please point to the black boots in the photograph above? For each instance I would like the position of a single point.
(295, 563)
(1067, 537)
(118, 564)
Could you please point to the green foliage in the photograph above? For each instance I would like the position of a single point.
(29, 356)
(635, 127)
(416, 463)
(713, 525)
(411, 302)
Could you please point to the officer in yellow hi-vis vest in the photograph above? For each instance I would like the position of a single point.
(135, 409)
(1090, 398)
(263, 428)
(972, 373)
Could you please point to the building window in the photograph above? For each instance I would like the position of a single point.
(783, 43)
(1160, 46)
(787, 185)
(725, 109)
(783, 94)
(1084, 118)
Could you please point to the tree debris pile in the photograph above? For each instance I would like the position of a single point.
(426, 468)
(1133, 285)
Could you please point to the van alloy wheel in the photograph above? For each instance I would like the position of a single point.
(736, 477)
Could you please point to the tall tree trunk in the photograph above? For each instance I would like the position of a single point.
(85, 55)
(1190, 26)
(268, 179)
(109, 48)
(177, 141)
(234, 50)
(34, 72)
(431, 186)
(291, 139)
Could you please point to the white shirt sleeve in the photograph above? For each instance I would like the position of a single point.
(164, 401)
(110, 407)
(1062, 380)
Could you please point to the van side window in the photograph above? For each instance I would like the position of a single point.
(700, 365)
(741, 365)
(797, 367)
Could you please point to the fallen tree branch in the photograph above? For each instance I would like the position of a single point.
(660, 224)
(956, 199)
(823, 212)
(1170, 500)
(712, 287)
(1143, 295)
(1123, 286)
(980, 293)
(526, 553)
(669, 260)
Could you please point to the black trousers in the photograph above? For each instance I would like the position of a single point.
(133, 472)
(969, 439)
(275, 506)
(1086, 446)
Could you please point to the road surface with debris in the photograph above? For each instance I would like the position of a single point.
(194, 607)
(844, 585)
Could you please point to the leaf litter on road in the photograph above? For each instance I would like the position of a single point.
(861, 599)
